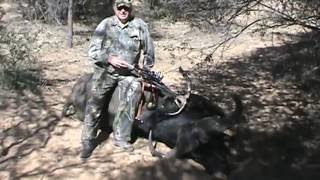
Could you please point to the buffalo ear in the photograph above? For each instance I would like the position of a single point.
(200, 135)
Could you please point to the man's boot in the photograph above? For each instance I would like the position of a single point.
(87, 149)
(123, 145)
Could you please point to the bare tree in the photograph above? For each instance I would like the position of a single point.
(263, 15)
(56, 11)
(70, 24)
(240, 15)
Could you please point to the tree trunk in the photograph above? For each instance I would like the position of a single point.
(70, 24)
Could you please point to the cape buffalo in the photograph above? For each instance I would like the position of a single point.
(199, 131)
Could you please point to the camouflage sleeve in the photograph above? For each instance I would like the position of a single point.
(97, 54)
(148, 48)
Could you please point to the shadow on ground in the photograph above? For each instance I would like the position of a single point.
(280, 140)
(165, 170)
(280, 89)
(28, 120)
(28, 128)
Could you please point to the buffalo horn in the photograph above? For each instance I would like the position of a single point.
(154, 152)
(152, 149)
(181, 100)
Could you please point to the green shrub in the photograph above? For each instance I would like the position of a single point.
(18, 68)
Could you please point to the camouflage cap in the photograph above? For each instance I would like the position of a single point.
(126, 3)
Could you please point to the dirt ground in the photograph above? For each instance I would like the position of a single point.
(36, 143)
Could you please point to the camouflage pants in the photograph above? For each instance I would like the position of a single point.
(103, 84)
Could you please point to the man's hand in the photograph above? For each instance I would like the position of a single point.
(117, 62)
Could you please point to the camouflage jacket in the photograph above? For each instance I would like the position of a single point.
(113, 38)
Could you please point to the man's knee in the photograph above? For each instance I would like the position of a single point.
(136, 86)
(93, 109)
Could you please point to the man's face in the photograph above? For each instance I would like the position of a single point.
(123, 13)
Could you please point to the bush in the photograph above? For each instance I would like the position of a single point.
(51, 11)
(56, 11)
(18, 68)
(189, 9)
